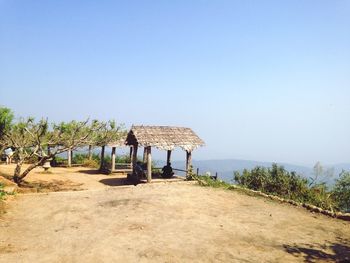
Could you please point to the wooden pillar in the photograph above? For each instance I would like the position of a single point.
(102, 162)
(113, 159)
(69, 158)
(71, 153)
(149, 164)
(188, 161)
(168, 158)
(144, 154)
(134, 157)
(90, 152)
(130, 155)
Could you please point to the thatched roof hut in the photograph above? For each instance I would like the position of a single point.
(164, 137)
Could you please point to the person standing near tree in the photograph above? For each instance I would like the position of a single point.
(9, 154)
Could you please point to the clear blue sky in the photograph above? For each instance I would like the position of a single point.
(260, 80)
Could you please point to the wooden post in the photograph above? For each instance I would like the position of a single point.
(102, 162)
(149, 164)
(168, 157)
(144, 154)
(113, 159)
(130, 155)
(134, 157)
(90, 152)
(188, 161)
(197, 171)
(71, 152)
(69, 158)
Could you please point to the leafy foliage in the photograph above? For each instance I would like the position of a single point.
(32, 139)
(6, 118)
(190, 175)
(278, 181)
(109, 132)
(341, 191)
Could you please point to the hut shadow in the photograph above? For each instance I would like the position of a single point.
(339, 251)
(92, 171)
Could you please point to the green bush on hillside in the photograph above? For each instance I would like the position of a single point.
(278, 181)
(341, 192)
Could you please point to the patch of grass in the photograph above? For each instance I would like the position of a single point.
(52, 186)
(2, 192)
(2, 197)
(205, 180)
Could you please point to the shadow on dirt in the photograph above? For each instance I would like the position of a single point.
(93, 171)
(116, 181)
(336, 251)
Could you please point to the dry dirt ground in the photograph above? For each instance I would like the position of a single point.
(163, 222)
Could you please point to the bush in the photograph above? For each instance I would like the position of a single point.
(278, 181)
(57, 160)
(341, 191)
(90, 163)
(80, 158)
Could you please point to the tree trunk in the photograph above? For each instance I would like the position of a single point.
(90, 152)
(18, 177)
(17, 173)
(69, 158)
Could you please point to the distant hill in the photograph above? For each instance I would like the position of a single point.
(226, 167)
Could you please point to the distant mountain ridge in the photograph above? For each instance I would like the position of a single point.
(226, 167)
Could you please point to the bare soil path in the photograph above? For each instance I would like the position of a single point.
(166, 222)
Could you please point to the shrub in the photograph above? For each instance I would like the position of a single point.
(57, 160)
(341, 191)
(80, 158)
(190, 174)
(278, 181)
(90, 163)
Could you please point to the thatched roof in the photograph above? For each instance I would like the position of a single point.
(119, 143)
(164, 137)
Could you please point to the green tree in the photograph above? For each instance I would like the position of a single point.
(44, 141)
(110, 132)
(6, 118)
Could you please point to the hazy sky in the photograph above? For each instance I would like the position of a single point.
(260, 80)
